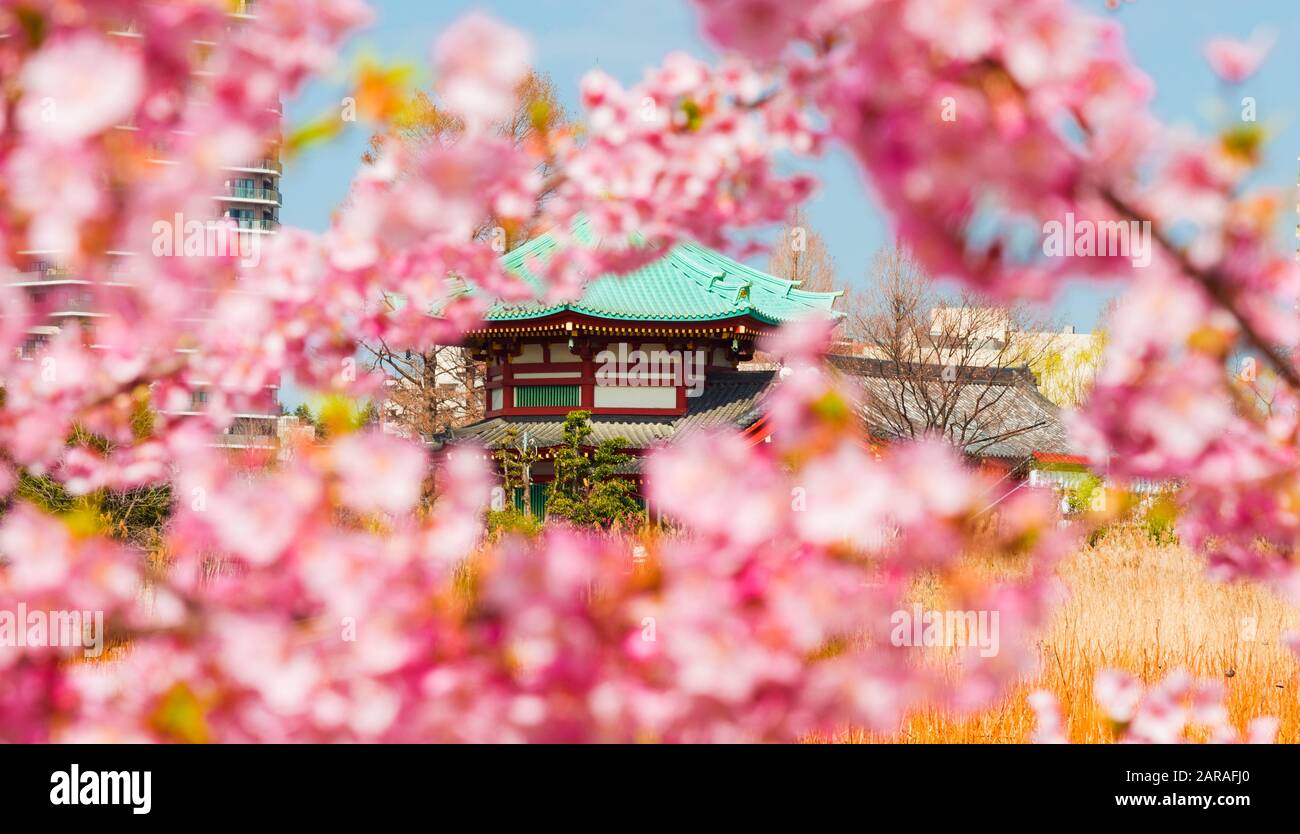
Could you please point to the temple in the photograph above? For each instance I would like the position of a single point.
(660, 352)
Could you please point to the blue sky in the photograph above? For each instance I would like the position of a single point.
(623, 37)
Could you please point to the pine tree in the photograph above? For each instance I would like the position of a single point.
(587, 489)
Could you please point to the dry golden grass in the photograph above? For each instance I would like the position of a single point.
(1149, 610)
(1132, 605)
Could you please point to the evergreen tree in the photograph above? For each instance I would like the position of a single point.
(587, 490)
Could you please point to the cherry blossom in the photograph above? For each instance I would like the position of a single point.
(76, 87)
(480, 62)
(348, 591)
(1175, 710)
(1233, 60)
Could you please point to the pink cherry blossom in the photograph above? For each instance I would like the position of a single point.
(1166, 713)
(480, 62)
(77, 86)
(758, 28)
(378, 473)
(1118, 694)
(1235, 60)
(308, 599)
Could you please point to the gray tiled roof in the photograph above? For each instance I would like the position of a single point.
(1024, 421)
(728, 399)
(1019, 422)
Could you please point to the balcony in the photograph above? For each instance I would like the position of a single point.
(47, 270)
(252, 193)
(73, 305)
(44, 271)
(36, 272)
(33, 345)
(269, 166)
(254, 223)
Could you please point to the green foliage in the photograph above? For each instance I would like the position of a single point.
(337, 415)
(1160, 520)
(369, 415)
(1085, 496)
(303, 413)
(587, 489)
(136, 516)
(572, 466)
(512, 520)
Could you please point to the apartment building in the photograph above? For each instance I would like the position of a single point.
(249, 196)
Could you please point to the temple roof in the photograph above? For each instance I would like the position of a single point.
(689, 283)
(1025, 424)
(728, 399)
(1005, 414)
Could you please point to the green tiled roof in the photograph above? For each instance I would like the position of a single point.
(690, 283)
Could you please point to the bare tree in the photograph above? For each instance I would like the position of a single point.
(946, 368)
(801, 255)
(538, 113)
(440, 387)
(429, 391)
